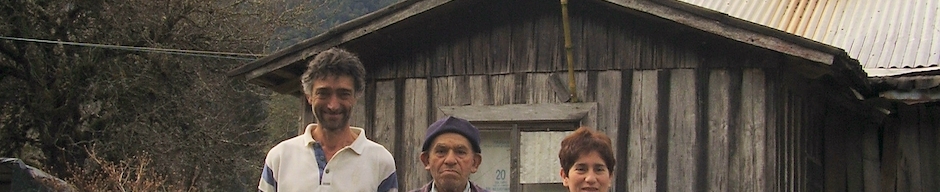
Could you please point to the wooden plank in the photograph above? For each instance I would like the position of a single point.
(642, 165)
(480, 92)
(686, 58)
(795, 123)
(622, 47)
(786, 124)
(870, 158)
(662, 131)
(623, 136)
(853, 150)
(800, 114)
(749, 156)
(559, 88)
(597, 43)
(358, 116)
(419, 61)
(909, 163)
(540, 89)
(503, 88)
(460, 55)
(404, 67)
(479, 52)
(581, 86)
(385, 108)
(443, 94)
(571, 112)
(501, 49)
(369, 110)
(608, 99)
(683, 129)
(579, 46)
(415, 122)
(719, 83)
(461, 88)
(928, 145)
(440, 66)
(399, 134)
(835, 152)
(520, 90)
(666, 55)
(771, 93)
(890, 155)
(590, 93)
(523, 43)
(546, 36)
(645, 50)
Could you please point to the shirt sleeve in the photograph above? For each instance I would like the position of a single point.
(389, 184)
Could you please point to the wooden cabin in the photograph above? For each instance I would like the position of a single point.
(693, 99)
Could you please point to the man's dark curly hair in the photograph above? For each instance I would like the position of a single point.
(335, 62)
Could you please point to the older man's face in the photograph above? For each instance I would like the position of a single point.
(451, 160)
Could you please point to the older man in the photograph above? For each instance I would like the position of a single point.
(451, 152)
(330, 155)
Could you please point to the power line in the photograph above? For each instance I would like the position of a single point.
(195, 53)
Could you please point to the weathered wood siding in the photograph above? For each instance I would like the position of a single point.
(687, 110)
(902, 154)
(687, 129)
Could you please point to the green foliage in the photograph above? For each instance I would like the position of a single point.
(282, 121)
(59, 102)
(325, 14)
(80, 111)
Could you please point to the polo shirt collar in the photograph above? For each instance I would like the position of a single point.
(357, 146)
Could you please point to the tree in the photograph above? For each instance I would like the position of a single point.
(61, 103)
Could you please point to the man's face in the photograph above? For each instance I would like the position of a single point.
(451, 160)
(332, 100)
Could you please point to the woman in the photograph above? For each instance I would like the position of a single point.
(587, 160)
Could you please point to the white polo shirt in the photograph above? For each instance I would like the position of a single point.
(298, 164)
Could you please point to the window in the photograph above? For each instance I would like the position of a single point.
(520, 143)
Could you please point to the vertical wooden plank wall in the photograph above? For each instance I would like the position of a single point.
(385, 127)
(642, 165)
(748, 157)
(729, 133)
(683, 104)
(413, 130)
(608, 90)
(910, 163)
(719, 102)
(871, 158)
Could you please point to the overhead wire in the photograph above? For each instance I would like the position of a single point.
(195, 53)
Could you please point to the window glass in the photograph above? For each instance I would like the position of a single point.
(539, 156)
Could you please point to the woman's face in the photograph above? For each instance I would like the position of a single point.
(589, 173)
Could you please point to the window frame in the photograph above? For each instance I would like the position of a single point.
(518, 118)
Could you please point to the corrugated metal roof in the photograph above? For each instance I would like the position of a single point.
(880, 34)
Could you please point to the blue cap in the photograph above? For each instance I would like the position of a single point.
(451, 124)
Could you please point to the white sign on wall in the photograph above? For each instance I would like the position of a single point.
(493, 174)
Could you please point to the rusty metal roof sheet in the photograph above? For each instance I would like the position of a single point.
(900, 35)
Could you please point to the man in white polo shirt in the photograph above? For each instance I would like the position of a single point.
(330, 155)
